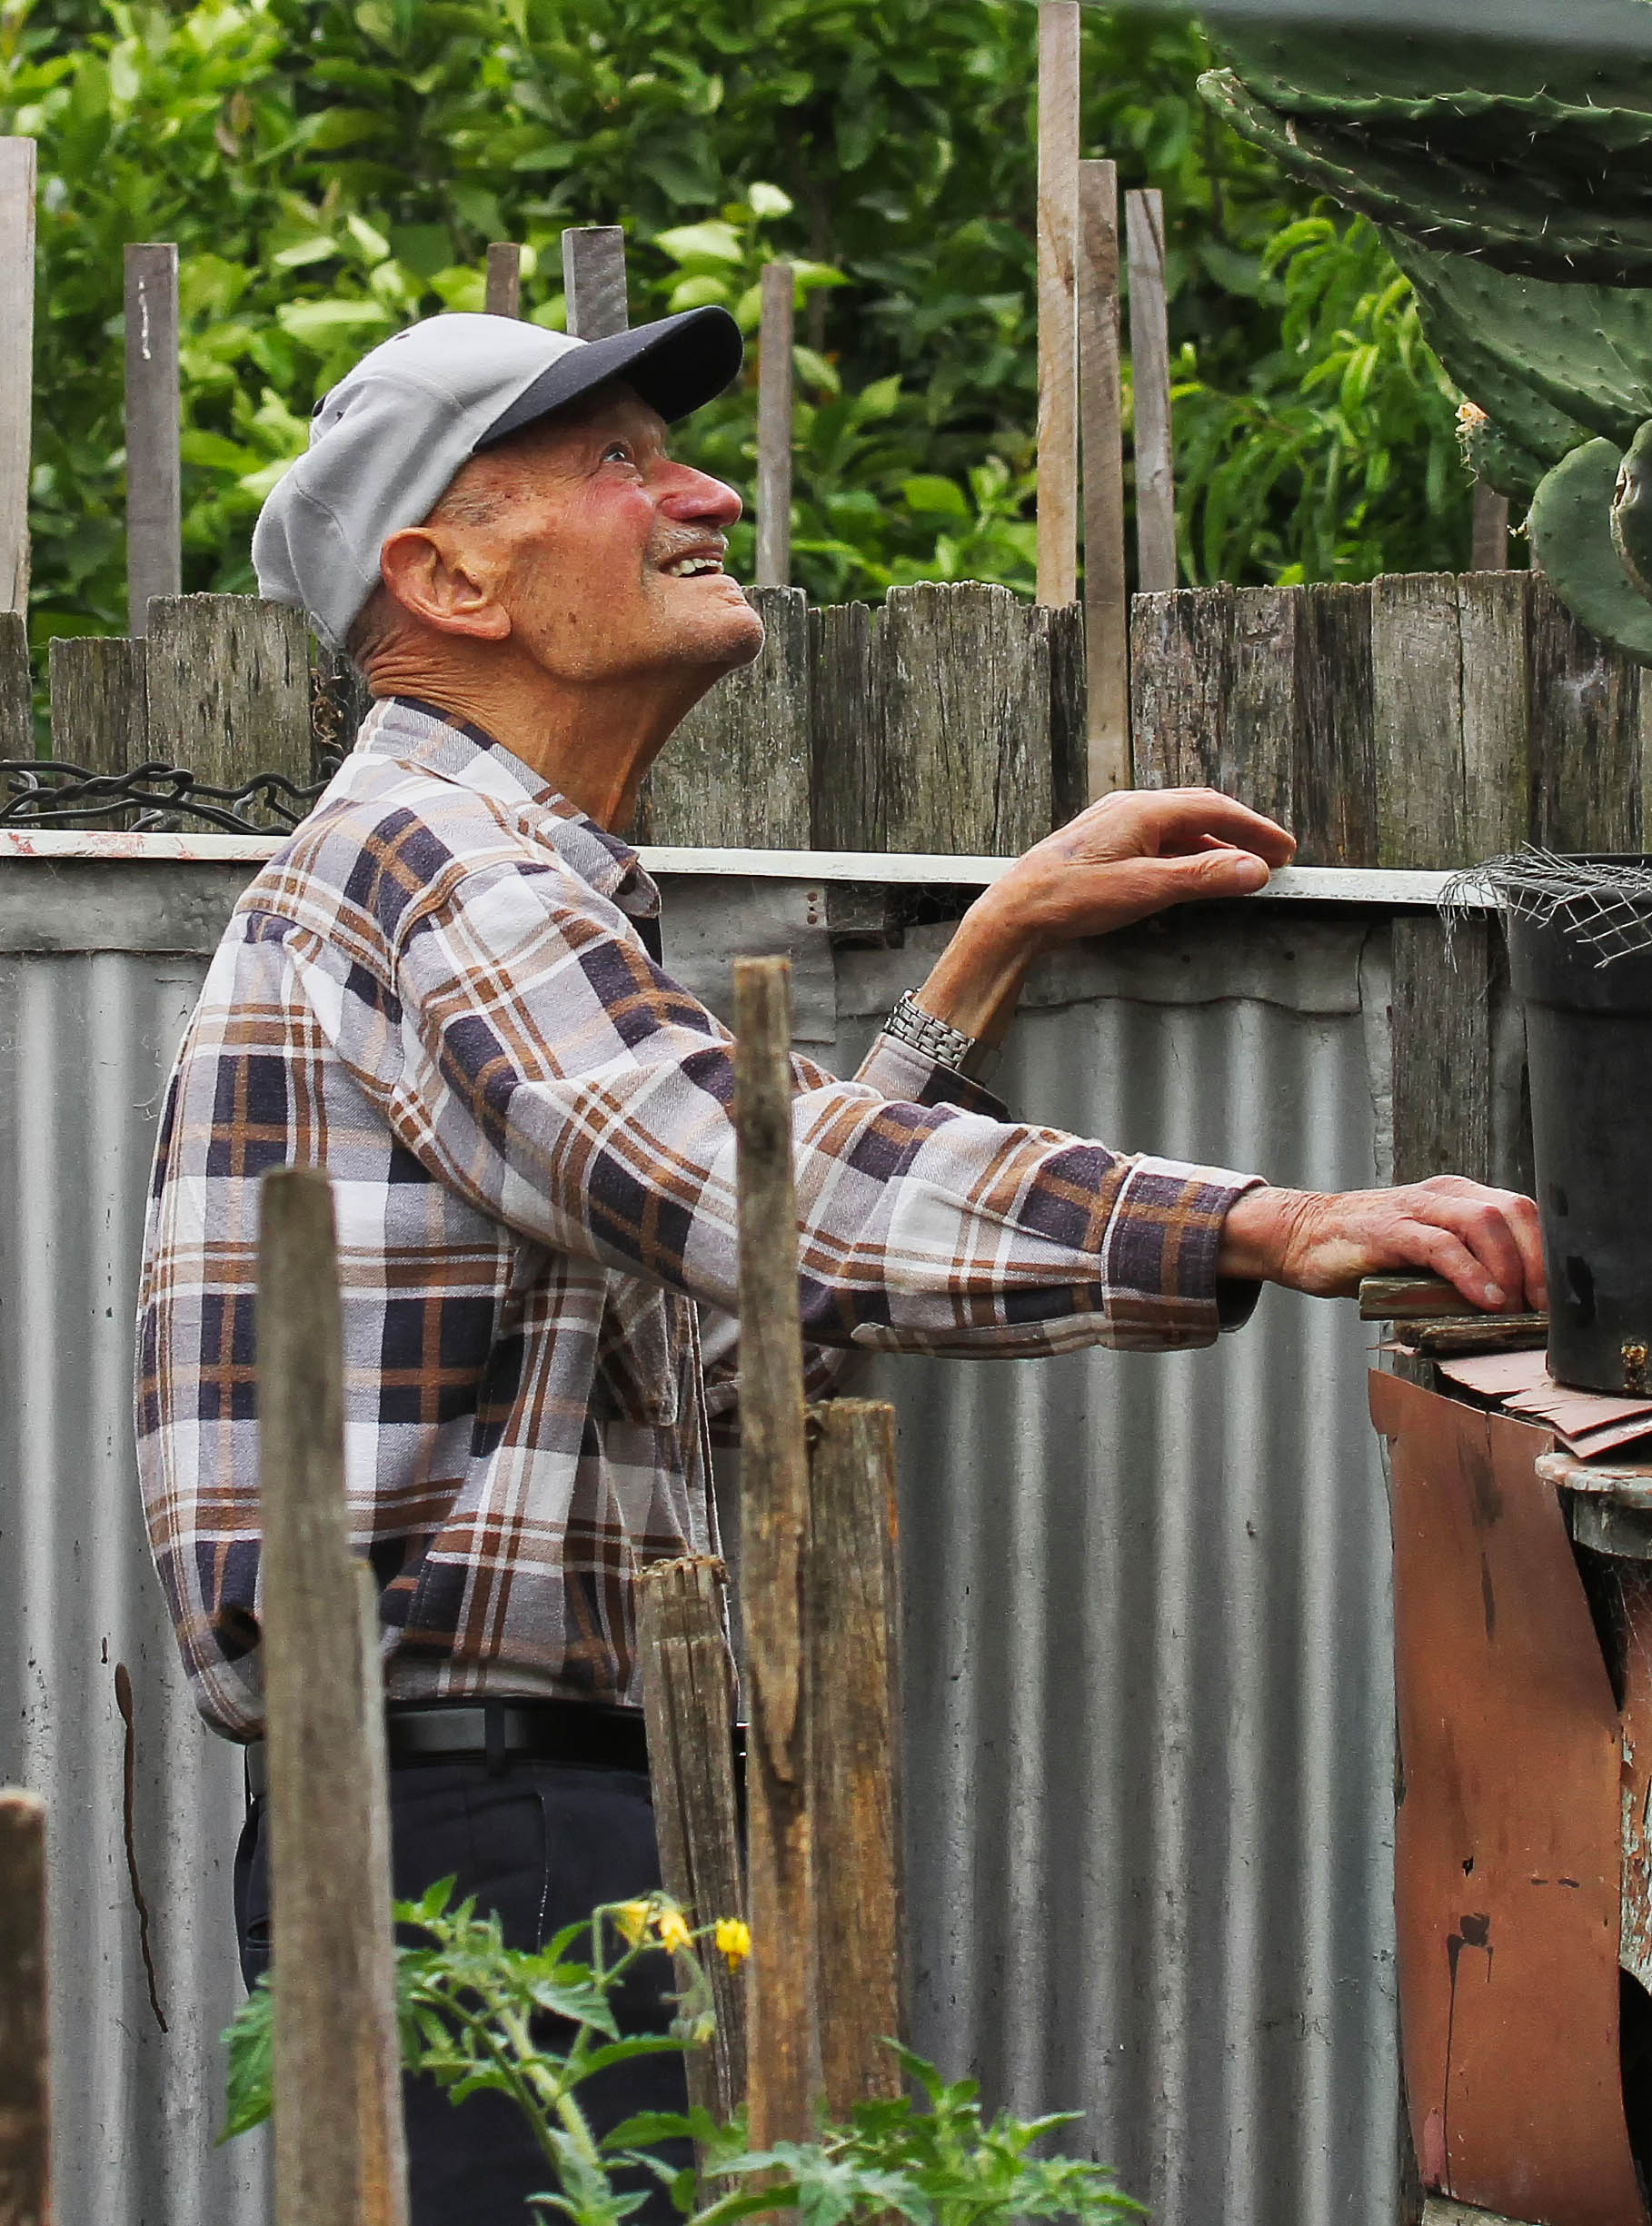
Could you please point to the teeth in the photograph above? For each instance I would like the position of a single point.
(690, 567)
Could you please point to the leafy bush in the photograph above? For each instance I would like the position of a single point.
(472, 2012)
(331, 170)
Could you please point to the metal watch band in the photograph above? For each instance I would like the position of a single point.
(937, 1039)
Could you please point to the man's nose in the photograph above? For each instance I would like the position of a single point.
(695, 498)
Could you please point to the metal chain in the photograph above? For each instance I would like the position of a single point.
(47, 792)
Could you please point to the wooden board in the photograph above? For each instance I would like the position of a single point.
(1107, 623)
(227, 682)
(1441, 1050)
(1151, 390)
(154, 552)
(1507, 1833)
(100, 710)
(736, 772)
(1057, 273)
(16, 696)
(593, 278)
(775, 427)
(16, 365)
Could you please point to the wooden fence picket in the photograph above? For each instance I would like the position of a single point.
(155, 551)
(340, 2157)
(25, 2085)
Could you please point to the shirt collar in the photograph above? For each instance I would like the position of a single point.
(418, 733)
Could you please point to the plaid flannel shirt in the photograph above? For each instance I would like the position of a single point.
(439, 990)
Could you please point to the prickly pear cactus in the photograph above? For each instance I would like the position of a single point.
(1573, 532)
(1513, 185)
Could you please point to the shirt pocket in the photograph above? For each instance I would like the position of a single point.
(642, 1351)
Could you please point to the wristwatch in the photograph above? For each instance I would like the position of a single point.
(937, 1039)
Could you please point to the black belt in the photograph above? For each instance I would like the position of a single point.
(586, 1733)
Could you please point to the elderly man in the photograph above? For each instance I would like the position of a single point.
(447, 989)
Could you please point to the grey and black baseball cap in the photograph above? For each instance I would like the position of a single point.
(387, 442)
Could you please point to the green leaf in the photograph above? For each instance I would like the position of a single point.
(938, 497)
(768, 201)
(699, 293)
(319, 323)
(249, 2040)
(317, 248)
(713, 241)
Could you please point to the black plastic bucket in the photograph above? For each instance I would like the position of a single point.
(1589, 1048)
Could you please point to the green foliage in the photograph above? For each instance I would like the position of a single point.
(333, 168)
(1348, 418)
(467, 2007)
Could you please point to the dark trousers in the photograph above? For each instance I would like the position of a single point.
(542, 1844)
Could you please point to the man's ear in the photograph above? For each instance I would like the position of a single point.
(437, 579)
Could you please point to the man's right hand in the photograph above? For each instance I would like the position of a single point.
(1485, 1242)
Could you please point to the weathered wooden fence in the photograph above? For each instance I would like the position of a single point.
(1427, 720)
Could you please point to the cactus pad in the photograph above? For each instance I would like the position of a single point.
(1443, 184)
(1572, 539)
(1303, 69)
(1632, 512)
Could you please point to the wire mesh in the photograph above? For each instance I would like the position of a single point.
(1604, 904)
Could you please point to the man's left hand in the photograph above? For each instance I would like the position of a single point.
(1485, 1242)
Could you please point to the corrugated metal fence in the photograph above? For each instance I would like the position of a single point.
(1149, 1688)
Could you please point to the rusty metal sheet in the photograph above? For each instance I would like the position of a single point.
(1634, 1948)
(1507, 1849)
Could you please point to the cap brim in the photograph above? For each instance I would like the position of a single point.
(675, 365)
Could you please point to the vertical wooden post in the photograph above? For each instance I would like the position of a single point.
(1490, 530)
(16, 686)
(688, 1691)
(737, 773)
(100, 713)
(504, 279)
(16, 365)
(774, 427)
(593, 278)
(1058, 235)
(155, 517)
(774, 1523)
(25, 2115)
(1101, 409)
(1150, 376)
(339, 2155)
(850, 1612)
(227, 684)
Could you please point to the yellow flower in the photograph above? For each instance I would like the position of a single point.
(733, 1938)
(673, 1930)
(632, 1917)
(1469, 413)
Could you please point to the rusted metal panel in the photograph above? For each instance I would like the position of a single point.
(1635, 1946)
(1507, 1863)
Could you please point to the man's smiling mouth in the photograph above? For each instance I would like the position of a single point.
(692, 566)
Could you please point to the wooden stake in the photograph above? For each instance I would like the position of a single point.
(16, 365)
(155, 517)
(339, 2154)
(774, 427)
(16, 687)
(25, 2115)
(1057, 510)
(593, 278)
(774, 1519)
(853, 1749)
(1107, 621)
(1490, 530)
(1150, 374)
(687, 1690)
(505, 280)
